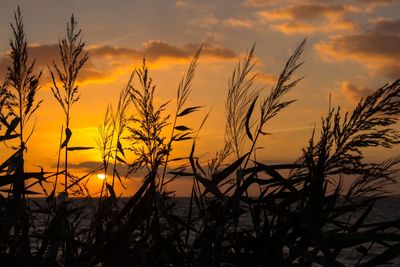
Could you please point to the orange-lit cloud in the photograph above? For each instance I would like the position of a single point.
(309, 18)
(106, 63)
(353, 93)
(181, 3)
(386, 26)
(204, 21)
(259, 3)
(378, 49)
(263, 3)
(238, 23)
(368, 6)
(304, 12)
(377, 1)
(294, 27)
(45, 55)
(267, 78)
(158, 49)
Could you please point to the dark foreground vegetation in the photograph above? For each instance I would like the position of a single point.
(302, 214)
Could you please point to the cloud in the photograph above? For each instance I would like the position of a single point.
(368, 6)
(267, 78)
(204, 21)
(378, 49)
(45, 55)
(354, 93)
(294, 27)
(259, 3)
(238, 23)
(386, 26)
(112, 51)
(309, 18)
(123, 169)
(304, 12)
(200, 14)
(377, 1)
(181, 4)
(157, 49)
(106, 63)
(87, 166)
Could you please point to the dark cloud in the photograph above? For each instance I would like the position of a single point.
(44, 56)
(112, 51)
(112, 57)
(386, 26)
(308, 18)
(213, 51)
(87, 166)
(354, 93)
(377, 1)
(313, 11)
(260, 3)
(123, 170)
(304, 12)
(377, 49)
(158, 49)
(369, 45)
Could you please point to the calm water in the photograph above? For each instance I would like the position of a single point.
(387, 209)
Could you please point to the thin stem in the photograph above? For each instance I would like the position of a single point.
(66, 156)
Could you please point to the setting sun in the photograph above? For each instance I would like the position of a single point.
(101, 176)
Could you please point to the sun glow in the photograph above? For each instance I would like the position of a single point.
(101, 176)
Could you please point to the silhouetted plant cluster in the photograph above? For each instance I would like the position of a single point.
(302, 214)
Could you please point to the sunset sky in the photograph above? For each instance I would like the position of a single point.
(352, 48)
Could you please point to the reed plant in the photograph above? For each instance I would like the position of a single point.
(65, 89)
(300, 215)
(18, 104)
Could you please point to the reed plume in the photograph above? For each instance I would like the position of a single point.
(64, 79)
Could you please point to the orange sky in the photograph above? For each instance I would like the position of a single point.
(353, 47)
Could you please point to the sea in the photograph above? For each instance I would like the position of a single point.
(385, 210)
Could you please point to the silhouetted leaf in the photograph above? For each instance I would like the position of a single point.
(248, 117)
(73, 148)
(188, 174)
(218, 177)
(4, 121)
(363, 250)
(119, 178)
(10, 160)
(182, 137)
(120, 159)
(112, 193)
(177, 159)
(182, 128)
(383, 257)
(13, 124)
(188, 110)
(85, 176)
(346, 240)
(119, 146)
(310, 256)
(68, 135)
(271, 170)
(8, 137)
(11, 178)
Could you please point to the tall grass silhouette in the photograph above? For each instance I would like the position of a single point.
(301, 215)
(66, 91)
